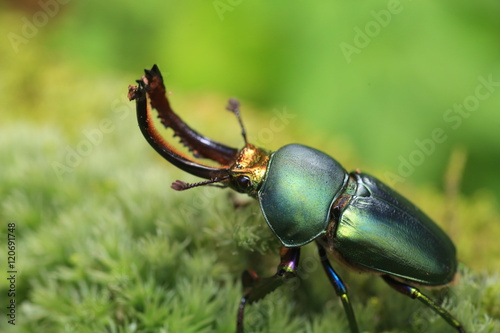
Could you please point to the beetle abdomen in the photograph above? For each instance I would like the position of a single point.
(381, 231)
(299, 188)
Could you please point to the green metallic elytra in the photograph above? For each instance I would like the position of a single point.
(381, 231)
(300, 187)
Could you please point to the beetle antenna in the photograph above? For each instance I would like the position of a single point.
(179, 185)
(233, 105)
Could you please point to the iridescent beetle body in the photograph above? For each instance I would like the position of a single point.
(305, 195)
(300, 188)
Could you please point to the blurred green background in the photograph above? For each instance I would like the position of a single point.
(377, 82)
(390, 87)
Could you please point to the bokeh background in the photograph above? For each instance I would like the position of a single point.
(408, 91)
(378, 93)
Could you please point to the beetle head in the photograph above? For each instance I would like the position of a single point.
(243, 170)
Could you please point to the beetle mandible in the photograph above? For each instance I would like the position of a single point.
(306, 195)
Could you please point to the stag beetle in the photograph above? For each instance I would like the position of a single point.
(305, 195)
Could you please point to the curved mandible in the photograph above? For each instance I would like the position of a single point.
(151, 85)
(199, 145)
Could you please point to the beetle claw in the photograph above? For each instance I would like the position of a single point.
(249, 278)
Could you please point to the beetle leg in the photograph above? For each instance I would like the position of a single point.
(339, 287)
(416, 294)
(256, 288)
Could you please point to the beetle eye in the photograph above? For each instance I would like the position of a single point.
(243, 182)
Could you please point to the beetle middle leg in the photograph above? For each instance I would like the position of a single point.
(417, 294)
(257, 288)
(339, 287)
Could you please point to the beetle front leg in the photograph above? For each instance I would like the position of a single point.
(416, 294)
(339, 287)
(256, 288)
